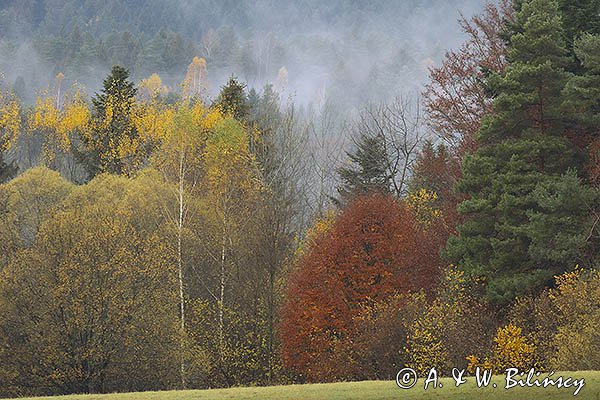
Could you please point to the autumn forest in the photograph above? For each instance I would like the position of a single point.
(201, 215)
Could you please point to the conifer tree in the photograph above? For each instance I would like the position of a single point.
(367, 170)
(582, 100)
(580, 16)
(7, 170)
(233, 99)
(113, 135)
(523, 170)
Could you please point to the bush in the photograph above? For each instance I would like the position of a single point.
(375, 350)
(451, 327)
(561, 323)
(512, 350)
(576, 299)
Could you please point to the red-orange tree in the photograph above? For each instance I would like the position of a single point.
(454, 99)
(375, 248)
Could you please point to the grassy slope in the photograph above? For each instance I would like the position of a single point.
(368, 390)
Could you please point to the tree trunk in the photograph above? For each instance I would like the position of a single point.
(180, 272)
(222, 291)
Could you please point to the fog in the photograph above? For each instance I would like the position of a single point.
(347, 52)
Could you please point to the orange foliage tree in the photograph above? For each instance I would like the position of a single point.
(455, 99)
(375, 248)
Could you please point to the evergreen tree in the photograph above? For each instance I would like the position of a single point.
(580, 16)
(582, 93)
(7, 170)
(520, 172)
(367, 169)
(582, 99)
(233, 99)
(113, 133)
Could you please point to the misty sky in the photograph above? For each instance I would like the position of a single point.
(352, 51)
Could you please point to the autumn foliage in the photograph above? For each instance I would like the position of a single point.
(374, 249)
(455, 99)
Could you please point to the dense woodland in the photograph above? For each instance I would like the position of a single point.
(156, 236)
(321, 46)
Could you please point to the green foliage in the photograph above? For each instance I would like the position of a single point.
(108, 146)
(233, 100)
(516, 178)
(558, 228)
(580, 16)
(582, 93)
(367, 169)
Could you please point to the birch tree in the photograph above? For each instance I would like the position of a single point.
(180, 160)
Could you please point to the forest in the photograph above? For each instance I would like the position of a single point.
(216, 227)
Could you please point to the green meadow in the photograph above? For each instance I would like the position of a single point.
(371, 390)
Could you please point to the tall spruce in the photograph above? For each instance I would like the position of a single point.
(527, 208)
(233, 99)
(113, 133)
(366, 170)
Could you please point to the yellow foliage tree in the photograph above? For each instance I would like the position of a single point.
(576, 339)
(10, 120)
(151, 88)
(180, 159)
(232, 186)
(57, 121)
(97, 287)
(195, 83)
(152, 121)
(423, 205)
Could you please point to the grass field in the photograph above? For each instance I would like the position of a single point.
(379, 390)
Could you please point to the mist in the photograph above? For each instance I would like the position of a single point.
(346, 52)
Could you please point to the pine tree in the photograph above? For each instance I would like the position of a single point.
(113, 134)
(367, 170)
(521, 170)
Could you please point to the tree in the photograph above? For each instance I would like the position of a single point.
(25, 203)
(57, 123)
(375, 248)
(233, 100)
(195, 83)
(278, 149)
(579, 16)
(232, 187)
(367, 171)
(387, 138)
(96, 287)
(582, 99)
(10, 127)
(180, 160)
(437, 170)
(522, 151)
(111, 144)
(151, 88)
(455, 99)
